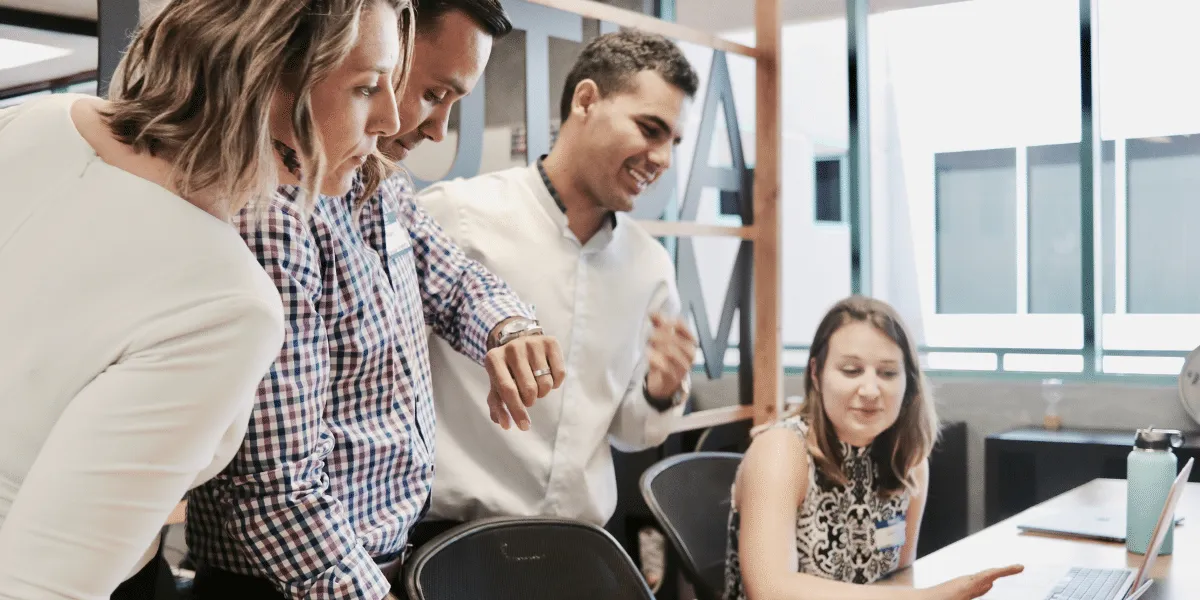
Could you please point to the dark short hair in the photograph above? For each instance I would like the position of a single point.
(613, 59)
(489, 14)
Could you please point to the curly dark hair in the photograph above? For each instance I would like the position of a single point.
(613, 59)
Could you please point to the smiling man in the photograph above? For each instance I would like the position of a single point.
(558, 233)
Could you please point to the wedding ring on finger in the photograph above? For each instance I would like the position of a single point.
(541, 372)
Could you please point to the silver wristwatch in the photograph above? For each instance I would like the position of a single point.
(664, 404)
(515, 328)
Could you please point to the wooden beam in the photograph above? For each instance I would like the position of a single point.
(712, 417)
(768, 371)
(689, 229)
(47, 22)
(636, 20)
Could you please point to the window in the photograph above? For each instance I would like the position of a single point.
(976, 211)
(1147, 106)
(1054, 227)
(830, 196)
(1162, 211)
(813, 207)
(975, 196)
(971, 182)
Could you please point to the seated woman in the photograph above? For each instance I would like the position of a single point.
(830, 497)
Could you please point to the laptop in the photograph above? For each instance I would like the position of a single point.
(1102, 525)
(1080, 583)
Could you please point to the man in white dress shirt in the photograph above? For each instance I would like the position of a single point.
(558, 233)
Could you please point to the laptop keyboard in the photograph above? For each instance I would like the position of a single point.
(1089, 584)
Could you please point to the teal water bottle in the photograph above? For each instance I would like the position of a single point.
(1152, 467)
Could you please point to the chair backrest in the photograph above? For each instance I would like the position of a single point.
(689, 495)
(524, 559)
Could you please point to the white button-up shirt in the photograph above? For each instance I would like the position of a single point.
(596, 298)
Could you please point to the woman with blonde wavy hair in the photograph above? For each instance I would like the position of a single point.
(831, 496)
(135, 324)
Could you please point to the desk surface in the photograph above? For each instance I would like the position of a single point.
(1003, 544)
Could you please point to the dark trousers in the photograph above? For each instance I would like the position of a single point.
(426, 530)
(216, 584)
(153, 582)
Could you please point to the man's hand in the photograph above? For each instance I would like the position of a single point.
(522, 371)
(672, 349)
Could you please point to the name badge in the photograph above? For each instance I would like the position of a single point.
(395, 237)
(889, 534)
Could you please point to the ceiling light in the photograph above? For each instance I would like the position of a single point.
(18, 54)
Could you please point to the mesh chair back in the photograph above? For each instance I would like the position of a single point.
(524, 559)
(689, 495)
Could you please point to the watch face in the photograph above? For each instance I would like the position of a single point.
(517, 325)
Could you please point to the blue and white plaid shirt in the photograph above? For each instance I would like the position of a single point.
(338, 459)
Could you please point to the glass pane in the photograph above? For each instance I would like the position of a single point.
(1164, 251)
(976, 231)
(1054, 226)
(829, 190)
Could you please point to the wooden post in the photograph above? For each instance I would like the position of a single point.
(768, 368)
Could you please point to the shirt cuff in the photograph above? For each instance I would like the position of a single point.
(498, 311)
(663, 405)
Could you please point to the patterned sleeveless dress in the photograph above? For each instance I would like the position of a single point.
(836, 528)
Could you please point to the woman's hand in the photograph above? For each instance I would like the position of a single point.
(969, 587)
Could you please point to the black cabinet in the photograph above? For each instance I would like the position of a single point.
(1024, 467)
(946, 518)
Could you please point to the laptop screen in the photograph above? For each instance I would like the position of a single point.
(1160, 530)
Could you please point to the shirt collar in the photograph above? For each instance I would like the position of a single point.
(612, 216)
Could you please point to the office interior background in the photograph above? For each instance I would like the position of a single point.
(972, 215)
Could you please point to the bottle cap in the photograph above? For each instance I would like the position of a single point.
(1158, 439)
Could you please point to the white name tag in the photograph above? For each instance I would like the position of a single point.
(889, 534)
(394, 235)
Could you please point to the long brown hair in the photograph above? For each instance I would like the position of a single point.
(901, 447)
(197, 83)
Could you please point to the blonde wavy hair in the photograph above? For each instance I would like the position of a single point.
(197, 84)
(901, 447)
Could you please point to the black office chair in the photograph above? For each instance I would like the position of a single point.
(689, 495)
(524, 559)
